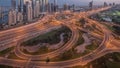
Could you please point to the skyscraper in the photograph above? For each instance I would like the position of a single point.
(91, 5)
(49, 7)
(20, 3)
(55, 2)
(40, 1)
(65, 6)
(29, 10)
(52, 7)
(13, 4)
(36, 8)
(19, 17)
(24, 1)
(46, 5)
(105, 4)
(43, 5)
(113, 4)
(24, 13)
(55, 5)
(12, 17)
(0, 14)
(73, 6)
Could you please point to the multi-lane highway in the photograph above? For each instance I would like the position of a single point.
(55, 53)
(9, 38)
(18, 34)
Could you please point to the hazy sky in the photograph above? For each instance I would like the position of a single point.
(85, 2)
(77, 2)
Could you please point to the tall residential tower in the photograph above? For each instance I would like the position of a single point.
(13, 4)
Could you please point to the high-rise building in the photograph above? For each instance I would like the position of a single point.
(12, 17)
(46, 5)
(52, 7)
(105, 4)
(40, 1)
(13, 4)
(24, 13)
(91, 5)
(36, 9)
(55, 2)
(55, 5)
(43, 5)
(19, 17)
(65, 7)
(20, 3)
(0, 12)
(29, 10)
(73, 6)
(113, 4)
(110, 4)
(24, 1)
(49, 7)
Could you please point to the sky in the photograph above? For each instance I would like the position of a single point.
(85, 2)
(76, 2)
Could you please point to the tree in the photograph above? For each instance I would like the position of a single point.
(1, 26)
(47, 60)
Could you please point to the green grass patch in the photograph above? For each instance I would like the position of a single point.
(52, 37)
(113, 64)
(80, 39)
(42, 50)
(104, 61)
(13, 56)
(5, 66)
(72, 54)
(92, 46)
(109, 27)
(69, 55)
(2, 53)
(86, 66)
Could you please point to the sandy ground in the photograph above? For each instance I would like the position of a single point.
(81, 48)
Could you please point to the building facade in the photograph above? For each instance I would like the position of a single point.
(12, 17)
(19, 17)
(13, 4)
(36, 9)
(29, 11)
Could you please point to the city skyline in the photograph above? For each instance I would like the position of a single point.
(60, 34)
(76, 2)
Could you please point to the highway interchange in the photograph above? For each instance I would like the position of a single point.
(14, 37)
